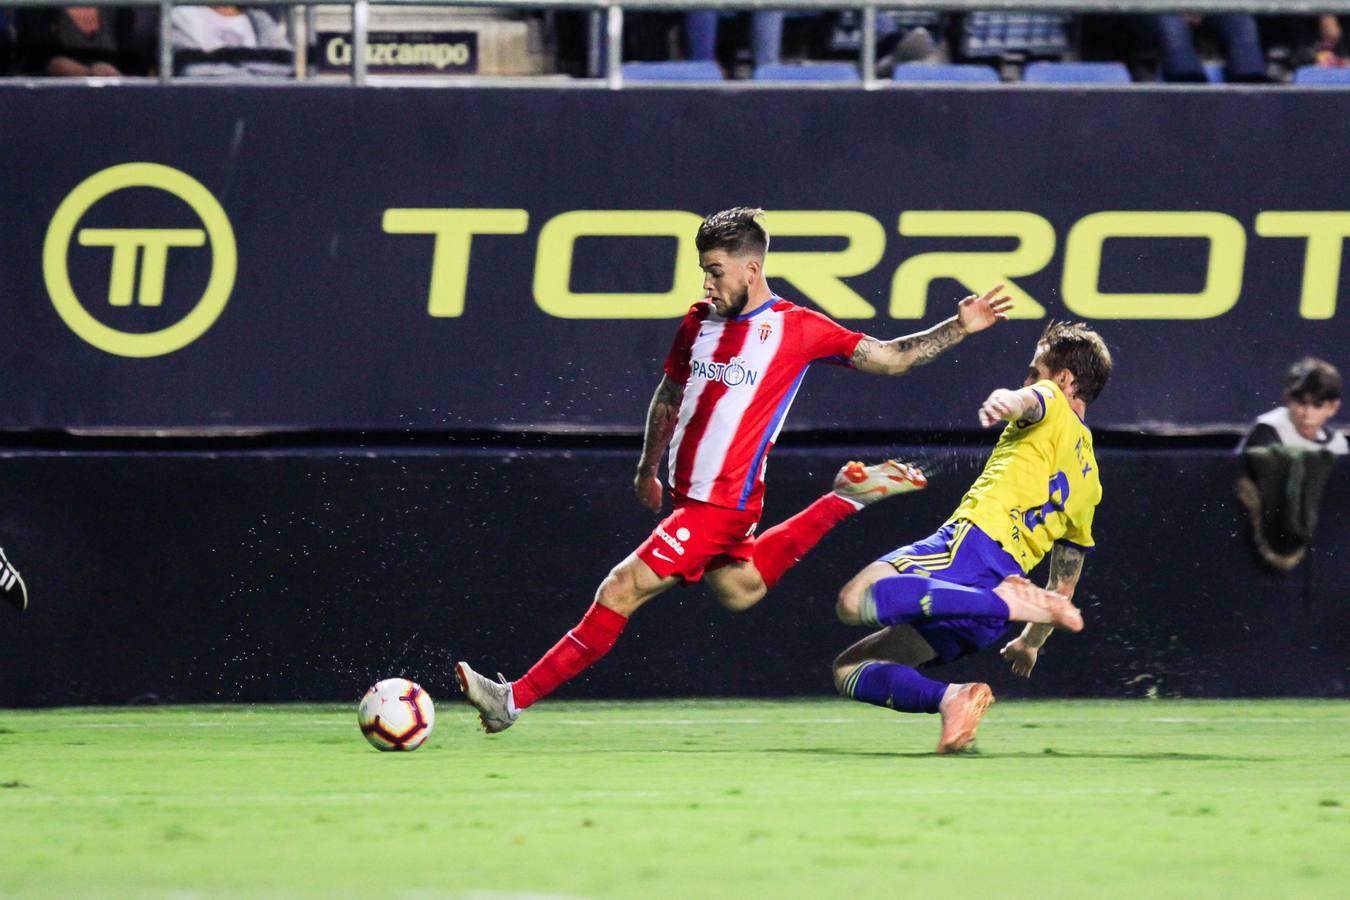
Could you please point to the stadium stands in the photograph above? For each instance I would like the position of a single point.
(991, 35)
(967, 72)
(807, 72)
(1321, 76)
(676, 70)
(1076, 73)
(822, 44)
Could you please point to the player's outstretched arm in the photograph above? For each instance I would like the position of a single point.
(1004, 405)
(661, 417)
(898, 356)
(1066, 567)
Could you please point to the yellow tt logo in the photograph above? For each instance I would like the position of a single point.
(143, 249)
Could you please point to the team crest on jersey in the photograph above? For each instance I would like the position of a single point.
(765, 329)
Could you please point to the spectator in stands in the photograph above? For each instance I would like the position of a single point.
(1293, 42)
(1329, 50)
(1287, 457)
(902, 39)
(901, 36)
(79, 42)
(766, 35)
(1175, 37)
(229, 41)
(1319, 41)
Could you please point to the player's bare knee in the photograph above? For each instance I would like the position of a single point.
(740, 599)
(618, 592)
(846, 606)
(841, 670)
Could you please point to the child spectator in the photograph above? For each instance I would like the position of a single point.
(1288, 456)
(218, 41)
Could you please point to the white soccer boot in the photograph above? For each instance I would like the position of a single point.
(496, 710)
(11, 584)
(865, 485)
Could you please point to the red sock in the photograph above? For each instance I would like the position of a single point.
(578, 650)
(782, 546)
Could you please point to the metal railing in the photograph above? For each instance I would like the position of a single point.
(611, 14)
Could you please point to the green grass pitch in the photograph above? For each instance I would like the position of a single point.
(681, 799)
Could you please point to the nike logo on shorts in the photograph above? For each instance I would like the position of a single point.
(659, 555)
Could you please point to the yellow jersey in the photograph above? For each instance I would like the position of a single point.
(1040, 484)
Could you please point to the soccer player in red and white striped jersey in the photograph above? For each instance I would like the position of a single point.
(736, 363)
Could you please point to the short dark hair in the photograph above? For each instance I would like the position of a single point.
(737, 231)
(1313, 380)
(1079, 349)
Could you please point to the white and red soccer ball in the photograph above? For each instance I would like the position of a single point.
(396, 714)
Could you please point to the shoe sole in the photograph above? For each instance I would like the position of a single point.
(855, 474)
(981, 698)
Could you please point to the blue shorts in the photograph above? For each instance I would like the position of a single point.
(961, 554)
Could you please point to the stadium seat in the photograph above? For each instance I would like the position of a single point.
(807, 72)
(1077, 73)
(992, 35)
(672, 71)
(952, 72)
(1322, 76)
(1215, 73)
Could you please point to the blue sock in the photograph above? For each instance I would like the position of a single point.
(909, 598)
(894, 686)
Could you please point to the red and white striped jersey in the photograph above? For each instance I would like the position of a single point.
(740, 377)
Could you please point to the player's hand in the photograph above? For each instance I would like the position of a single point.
(1022, 656)
(978, 313)
(1002, 404)
(647, 487)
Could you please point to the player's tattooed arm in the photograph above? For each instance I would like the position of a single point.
(898, 356)
(661, 417)
(1066, 567)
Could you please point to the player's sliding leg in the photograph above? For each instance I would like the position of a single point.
(500, 703)
(899, 599)
(740, 585)
(880, 670)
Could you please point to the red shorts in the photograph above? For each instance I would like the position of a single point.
(696, 535)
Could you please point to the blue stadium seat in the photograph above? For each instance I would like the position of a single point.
(1215, 73)
(991, 35)
(1077, 73)
(952, 72)
(1322, 76)
(807, 72)
(672, 71)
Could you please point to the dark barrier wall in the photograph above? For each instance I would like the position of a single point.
(338, 258)
(294, 576)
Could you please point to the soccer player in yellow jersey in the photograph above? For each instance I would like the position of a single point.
(954, 593)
